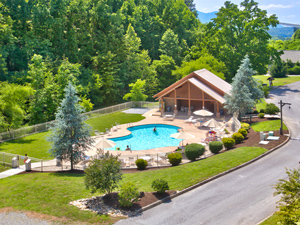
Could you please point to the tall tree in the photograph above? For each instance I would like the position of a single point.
(245, 90)
(192, 6)
(70, 134)
(237, 31)
(169, 45)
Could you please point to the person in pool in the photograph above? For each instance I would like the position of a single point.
(154, 129)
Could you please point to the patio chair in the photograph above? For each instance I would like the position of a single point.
(189, 120)
(118, 125)
(114, 128)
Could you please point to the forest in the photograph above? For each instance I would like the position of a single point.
(105, 46)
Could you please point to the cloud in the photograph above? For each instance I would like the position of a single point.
(290, 16)
(278, 6)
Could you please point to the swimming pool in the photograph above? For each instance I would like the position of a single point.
(143, 137)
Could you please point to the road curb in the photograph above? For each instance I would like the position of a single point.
(166, 199)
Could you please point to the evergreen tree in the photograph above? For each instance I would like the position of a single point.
(278, 69)
(245, 90)
(70, 135)
(192, 6)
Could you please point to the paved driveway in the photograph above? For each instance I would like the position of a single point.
(242, 197)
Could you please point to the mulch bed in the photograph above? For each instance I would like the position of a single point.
(147, 198)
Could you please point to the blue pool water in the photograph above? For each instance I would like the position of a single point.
(143, 137)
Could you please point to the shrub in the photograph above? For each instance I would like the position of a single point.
(255, 112)
(266, 90)
(226, 131)
(175, 158)
(238, 137)
(141, 164)
(103, 174)
(243, 132)
(193, 151)
(128, 194)
(246, 126)
(271, 109)
(215, 146)
(295, 70)
(262, 111)
(261, 115)
(228, 142)
(160, 186)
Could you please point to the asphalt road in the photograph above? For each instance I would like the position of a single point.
(242, 197)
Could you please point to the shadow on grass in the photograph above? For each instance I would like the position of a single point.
(68, 173)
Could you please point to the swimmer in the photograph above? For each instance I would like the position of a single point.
(154, 129)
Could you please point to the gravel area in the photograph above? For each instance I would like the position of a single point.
(17, 218)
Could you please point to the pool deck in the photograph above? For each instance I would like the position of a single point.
(152, 117)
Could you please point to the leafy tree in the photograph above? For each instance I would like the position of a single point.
(45, 100)
(245, 91)
(13, 104)
(70, 135)
(169, 45)
(191, 5)
(296, 35)
(237, 31)
(103, 174)
(289, 203)
(163, 68)
(136, 92)
(278, 69)
(206, 61)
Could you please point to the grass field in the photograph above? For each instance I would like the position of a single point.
(36, 145)
(3, 167)
(50, 193)
(278, 81)
(261, 105)
(269, 125)
(275, 219)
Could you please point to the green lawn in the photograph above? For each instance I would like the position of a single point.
(3, 168)
(261, 105)
(278, 81)
(269, 125)
(50, 193)
(36, 145)
(275, 219)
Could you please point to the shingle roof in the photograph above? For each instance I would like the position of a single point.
(214, 80)
(291, 54)
(207, 90)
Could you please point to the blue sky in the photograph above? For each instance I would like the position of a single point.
(287, 11)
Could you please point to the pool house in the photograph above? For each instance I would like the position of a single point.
(199, 89)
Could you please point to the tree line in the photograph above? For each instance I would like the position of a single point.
(103, 46)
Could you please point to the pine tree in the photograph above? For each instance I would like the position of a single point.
(70, 135)
(245, 91)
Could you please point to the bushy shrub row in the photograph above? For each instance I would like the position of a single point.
(261, 115)
(246, 126)
(141, 164)
(175, 158)
(215, 146)
(193, 151)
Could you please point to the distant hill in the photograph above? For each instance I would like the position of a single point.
(205, 17)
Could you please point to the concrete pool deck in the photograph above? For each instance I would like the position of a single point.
(152, 117)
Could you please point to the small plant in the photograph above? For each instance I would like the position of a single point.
(160, 186)
(261, 115)
(238, 137)
(246, 126)
(175, 158)
(262, 111)
(243, 132)
(215, 146)
(141, 164)
(271, 109)
(228, 142)
(128, 194)
(193, 151)
(226, 131)
(255, 112)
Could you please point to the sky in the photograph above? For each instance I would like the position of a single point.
(287, 11)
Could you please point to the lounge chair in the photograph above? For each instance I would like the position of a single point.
(118, 125)
(190, 120)
(169, 117)
(107, 131)
(114, 128)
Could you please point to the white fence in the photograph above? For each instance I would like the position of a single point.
(25, 131)
(7, 158)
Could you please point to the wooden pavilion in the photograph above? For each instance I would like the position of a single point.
(193, 92)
